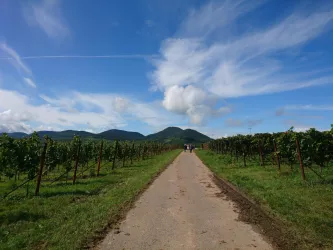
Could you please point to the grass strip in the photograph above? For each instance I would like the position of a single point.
(68, 216)
(303, 207)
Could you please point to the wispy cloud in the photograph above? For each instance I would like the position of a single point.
(206, 54)
(215, 16)
(296, 111)
(47, 15)
(14, 58)
(232, 122)
(310, 107)
(30, 82)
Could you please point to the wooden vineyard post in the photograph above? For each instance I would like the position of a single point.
(99, 159)
(76, 163)
(300, 159)
(260, 153)
(143, 152)
(41, 166)
(272, 160)
(115, 155)
(139, 151)
(276, 155)
(132, 151)
(244, 160)
(124, 155)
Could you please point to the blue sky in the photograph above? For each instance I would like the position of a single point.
(221, 67)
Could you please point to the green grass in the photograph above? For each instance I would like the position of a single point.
(304, 207)
(66, 216)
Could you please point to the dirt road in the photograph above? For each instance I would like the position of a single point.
(183, 209)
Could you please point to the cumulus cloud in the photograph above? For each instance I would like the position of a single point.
(47, 15)
(192, 101)
(207, 56)
(96, 112)
(13, 122)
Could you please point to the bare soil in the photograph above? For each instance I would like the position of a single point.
(187, 208)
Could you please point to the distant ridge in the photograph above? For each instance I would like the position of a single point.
(172, 135)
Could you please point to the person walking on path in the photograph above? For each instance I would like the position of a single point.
(185, 147)
(191, 147)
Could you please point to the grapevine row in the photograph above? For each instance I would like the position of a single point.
(34, 158)
(310, 148)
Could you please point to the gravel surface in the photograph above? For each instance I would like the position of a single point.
(184, 209)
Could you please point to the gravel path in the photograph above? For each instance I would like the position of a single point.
(183, 209)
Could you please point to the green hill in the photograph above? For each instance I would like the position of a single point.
(172, 135)
(121, 135)
(166, 133)
(65, 135)
(17, 135)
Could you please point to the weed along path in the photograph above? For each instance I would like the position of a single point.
(184, 209)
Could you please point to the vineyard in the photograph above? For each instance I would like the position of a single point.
(50, 162)
(289, 175)
(311, 149)
(60, 195)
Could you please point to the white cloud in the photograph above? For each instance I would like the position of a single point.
(30, 82)
(47, 15)
(13, 57)
(192, 101)
(208, 56)
(13, 122)
(96, 112)
(215, 15)
(120, 104)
